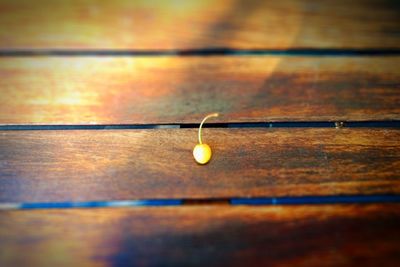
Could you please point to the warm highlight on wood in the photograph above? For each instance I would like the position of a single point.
(161, 24)
(48, 166)
(80, 62)
(328, 235)
(183, 89)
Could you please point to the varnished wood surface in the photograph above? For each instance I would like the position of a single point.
(80, 165)
(338, 235)
(56, 166)
(160, 24)
(183, 89)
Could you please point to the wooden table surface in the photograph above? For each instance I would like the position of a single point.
(99, 109)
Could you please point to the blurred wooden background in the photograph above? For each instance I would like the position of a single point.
(99, 108)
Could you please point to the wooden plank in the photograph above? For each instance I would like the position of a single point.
(203, 236)
(175, 90)
(161, 24)
(43, 166)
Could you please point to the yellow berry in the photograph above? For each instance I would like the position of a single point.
(202, 153)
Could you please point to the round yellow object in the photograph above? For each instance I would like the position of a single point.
(202, 153)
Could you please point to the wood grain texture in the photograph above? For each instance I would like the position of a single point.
(42, 166)
(203, 236)
(175, 90)
(160, 24)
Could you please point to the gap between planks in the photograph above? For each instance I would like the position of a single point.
(263, 201)
(283, 124)
(218, 51)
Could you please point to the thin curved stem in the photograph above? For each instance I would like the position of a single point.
(201, 124)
